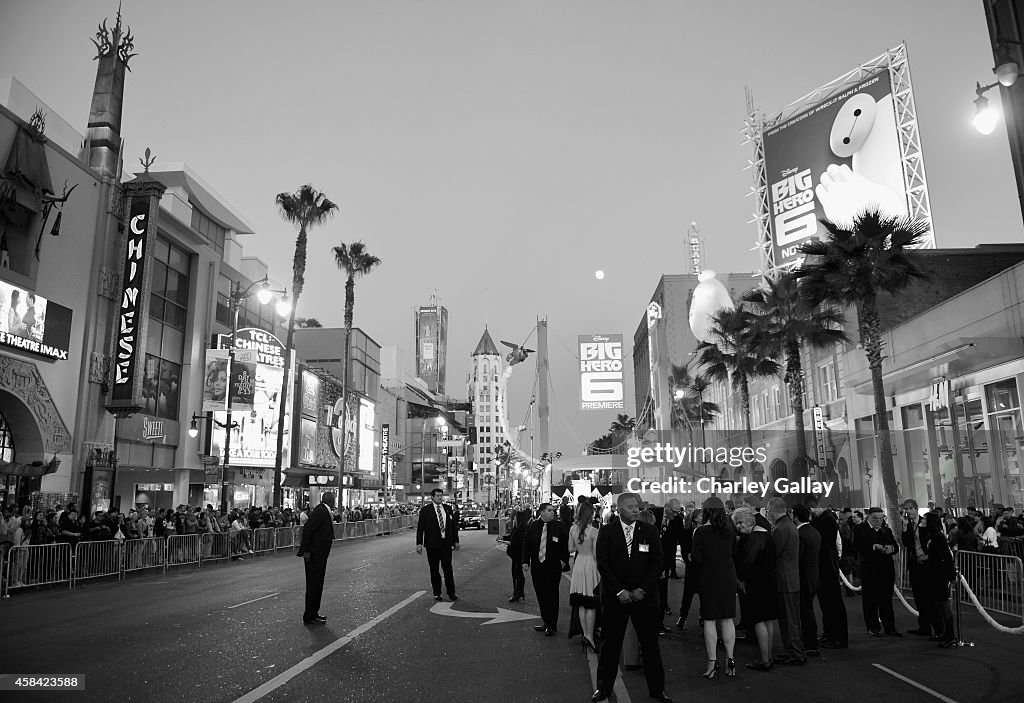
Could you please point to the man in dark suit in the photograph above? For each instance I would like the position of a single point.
(630, 559)
(438, 531)
(315, 547)
(834, 626)
(787, 580)
(915, 549)
(810, 577)
(876, 545)
(565, 513)
(546, 556)
(672, 535)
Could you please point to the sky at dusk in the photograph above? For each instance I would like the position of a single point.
(497, 154)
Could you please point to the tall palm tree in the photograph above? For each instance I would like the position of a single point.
(787, 323)
(306, 208)
(356, 262)
(688, 405)
(736, 355)
(622, 428)
(851, 267)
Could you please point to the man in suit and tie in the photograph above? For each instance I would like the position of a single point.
(915, 545)
(630, 559)
(315, 547)
(810, 577)
(787, 580)
(438, 530)
(546, 556)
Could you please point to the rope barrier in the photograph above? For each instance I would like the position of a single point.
(842, 577)
(903, 600)
(984, 613)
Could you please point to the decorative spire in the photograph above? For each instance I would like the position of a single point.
(148, 161)
(485, 347)
(119, 42)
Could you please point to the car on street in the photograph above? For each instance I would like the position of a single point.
(471, 519)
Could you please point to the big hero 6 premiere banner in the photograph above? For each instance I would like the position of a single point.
(833, 161)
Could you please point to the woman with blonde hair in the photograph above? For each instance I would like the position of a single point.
(585, 577)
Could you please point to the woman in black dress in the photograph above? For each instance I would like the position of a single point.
(714, 543)
(755, 568)
(941, 573)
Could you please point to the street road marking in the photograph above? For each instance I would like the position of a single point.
(364, 566)
(503, 614)
(251, 601)
(619, 689)
(287, 675)
(915, 684)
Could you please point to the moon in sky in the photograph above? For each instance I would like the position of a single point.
(599, 275)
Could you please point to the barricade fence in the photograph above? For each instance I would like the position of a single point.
(49, 564)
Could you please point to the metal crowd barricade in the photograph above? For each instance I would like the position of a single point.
(1013, 546)
(350, 530)
(284, 538)
(182, 549)
(96, 559)
(36, 565)
(996, 579)
(241, 542)
(341, 530)
(263, 539)
(145, 553)
(297, 534)
(215, 546)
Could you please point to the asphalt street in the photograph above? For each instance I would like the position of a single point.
(232, 633)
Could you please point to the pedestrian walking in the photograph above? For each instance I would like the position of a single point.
(629, 559)
(438, 531)
(315, 547)
(546, 556)
(713, 545)
(690, 574)
(585, 577)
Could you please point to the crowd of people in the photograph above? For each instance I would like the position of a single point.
(755, 570)
(68, 525)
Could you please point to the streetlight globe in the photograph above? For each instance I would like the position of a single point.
(985, 116)
(284, 307)
(263, 295)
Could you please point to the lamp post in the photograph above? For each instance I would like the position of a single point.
(236, 297)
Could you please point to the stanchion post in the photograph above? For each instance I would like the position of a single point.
(960, 642)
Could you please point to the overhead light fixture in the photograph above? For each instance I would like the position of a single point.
(193, 430)
(985, 116)
(264, 295)
(1006, 68)
(284, 306)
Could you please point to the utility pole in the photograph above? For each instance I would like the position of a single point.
(543, 411)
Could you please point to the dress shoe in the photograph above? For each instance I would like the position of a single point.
(919, 631)
(453, 598)
(875, 633)
(813, 652)
(760, 666)
(662, 696)
(668, 611)
(540, 628)
(550, 632)
(318, 620)
(599, 695)
(662, 630)
(438, 598)
(830, 644)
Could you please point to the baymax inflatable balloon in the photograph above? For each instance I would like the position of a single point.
(709, 297)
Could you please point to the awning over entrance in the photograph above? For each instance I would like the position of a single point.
(299, 477)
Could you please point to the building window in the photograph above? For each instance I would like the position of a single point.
(213, 232)
(6, 441)
(827, 381)
(165, 343)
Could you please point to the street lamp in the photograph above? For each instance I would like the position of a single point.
(236, 296)
(1006, 72)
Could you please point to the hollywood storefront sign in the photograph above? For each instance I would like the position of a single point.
(847, 147)
(601, 384)
(30, 323)
(254, 441)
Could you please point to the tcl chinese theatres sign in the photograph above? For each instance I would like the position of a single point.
(601, 384)
(132, 304)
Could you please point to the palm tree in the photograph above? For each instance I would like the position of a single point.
(306, 208)
(356, 262)
(851, 267)
(688, 404)
(736, 354)
(787, 322)
(622, 428)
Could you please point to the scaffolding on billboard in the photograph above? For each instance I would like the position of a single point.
(915, 183)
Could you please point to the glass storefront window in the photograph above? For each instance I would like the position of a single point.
(976, 484)
(1007, 435)
(915, 445)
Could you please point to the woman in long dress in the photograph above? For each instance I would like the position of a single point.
(582, 538)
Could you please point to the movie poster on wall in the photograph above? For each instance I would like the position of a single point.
(215, 381)
(833, 160)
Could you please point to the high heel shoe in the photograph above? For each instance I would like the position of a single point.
(714, 672)
(730, 667)
(515, 598)
(593, 647)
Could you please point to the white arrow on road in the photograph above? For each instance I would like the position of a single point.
(492, 619)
